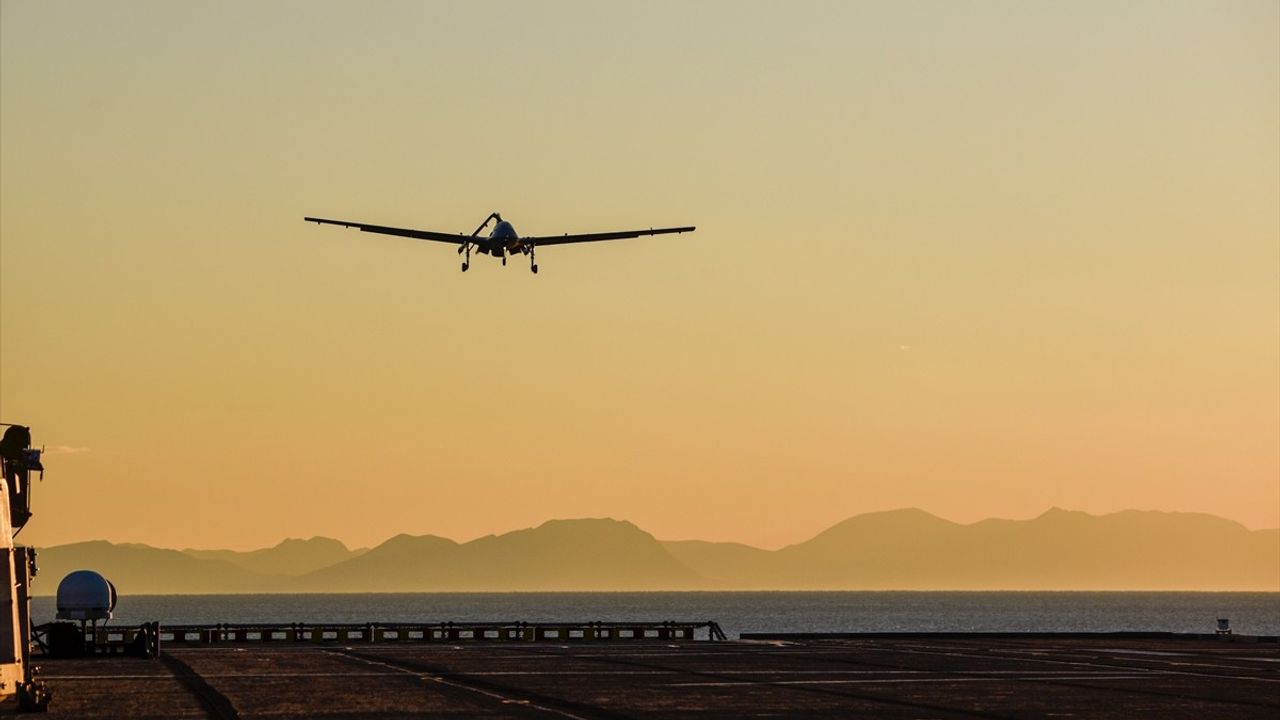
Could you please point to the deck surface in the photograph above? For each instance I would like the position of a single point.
(908, 677)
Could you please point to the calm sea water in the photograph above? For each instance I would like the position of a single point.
(737, 612)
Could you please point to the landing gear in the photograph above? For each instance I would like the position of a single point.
(533, 260)
(466, 261)
(465, 266)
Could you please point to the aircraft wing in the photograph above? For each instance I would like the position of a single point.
(455, 238)
(595, 237)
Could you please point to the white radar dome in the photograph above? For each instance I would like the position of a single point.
(85, 595)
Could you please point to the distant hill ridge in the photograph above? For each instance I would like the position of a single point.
(898, 549)
(291, 556)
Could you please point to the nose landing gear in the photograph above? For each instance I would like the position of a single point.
(533, 260)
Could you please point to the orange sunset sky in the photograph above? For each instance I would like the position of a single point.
(981, 258)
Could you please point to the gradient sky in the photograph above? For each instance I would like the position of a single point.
(981, 258)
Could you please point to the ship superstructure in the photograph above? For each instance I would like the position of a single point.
(18, 462)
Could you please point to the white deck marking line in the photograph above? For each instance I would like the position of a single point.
(1152, 656)
(556, 673)
(1201, 658)
(1143, 652)
(600, 673)
(897, 681)
(682, 671)
(1066, 673)
(46, 676)
(1113, 668)
(428, 677)
(793, 672)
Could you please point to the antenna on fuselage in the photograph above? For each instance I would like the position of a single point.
(466, 243)
(492, 216)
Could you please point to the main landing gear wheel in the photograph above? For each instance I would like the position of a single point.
(465, 266)
(534, 268)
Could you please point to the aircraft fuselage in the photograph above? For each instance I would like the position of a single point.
(503, 240)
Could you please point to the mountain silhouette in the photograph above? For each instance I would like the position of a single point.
(1059, 550)
(291, 557)
(144, 570)
(591, 554)
(900, 549)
